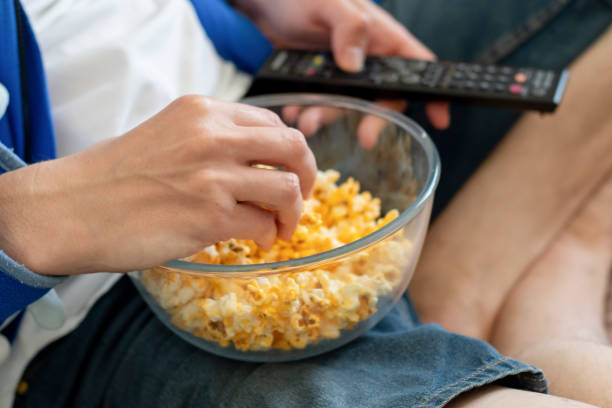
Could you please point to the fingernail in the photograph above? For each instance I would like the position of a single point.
(354, 57)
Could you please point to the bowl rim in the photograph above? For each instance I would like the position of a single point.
(332, 255)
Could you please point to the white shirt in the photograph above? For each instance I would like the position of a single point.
(110, 64)
(4, 100)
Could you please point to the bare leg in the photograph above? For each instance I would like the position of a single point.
(554, 317)
(500, 397)
(517, 202)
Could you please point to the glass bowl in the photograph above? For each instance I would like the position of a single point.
(298, 308)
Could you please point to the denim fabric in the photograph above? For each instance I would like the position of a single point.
(122, 356)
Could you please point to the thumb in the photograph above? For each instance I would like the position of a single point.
(349, 41)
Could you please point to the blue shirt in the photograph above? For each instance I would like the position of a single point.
(26, 134)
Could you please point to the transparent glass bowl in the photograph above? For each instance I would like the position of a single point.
(325, 300)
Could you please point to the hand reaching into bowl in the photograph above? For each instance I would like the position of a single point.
(180, 181)
(352, 29)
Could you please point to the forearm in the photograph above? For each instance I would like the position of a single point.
(18, 285)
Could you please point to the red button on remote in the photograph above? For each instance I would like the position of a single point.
(515, 88)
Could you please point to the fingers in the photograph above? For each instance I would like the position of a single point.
(254, 223)
(366, 27)
(273, 190)
(290, 114)
(438, 114)
(371, 126)
(246, 115)
(349, 28)
(311, 119)
(282, 147)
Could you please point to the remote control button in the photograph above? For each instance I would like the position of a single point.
(476, 68)
(540, 73)
(500, 87)
(410, 79)
(485, 86)
(416, 66)
(503, 78)
(388, 77)
(395, 63)
(507, 70)
(373, 68)
(462, 67)
(491, 69)
(472, 76)
(279, 60)
(549, 79)
(456, 84)
(310, 71)
(469, 84)
(515, 89)
(520, 77)
(433, 69)
(303, 65)
(488, 77)
(318, 60)
(538, 92)
(458, 75)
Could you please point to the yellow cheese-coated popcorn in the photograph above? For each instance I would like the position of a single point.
(291, 310)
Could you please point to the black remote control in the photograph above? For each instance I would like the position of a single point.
(520, 88)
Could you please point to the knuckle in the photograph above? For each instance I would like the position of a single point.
(266, 114)
(297, 141)
(199, 103)
(361, 21)
(273, 116)
(211, 183)
(290, 187)
(209, 139)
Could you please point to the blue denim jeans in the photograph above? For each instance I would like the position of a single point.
(122, 356)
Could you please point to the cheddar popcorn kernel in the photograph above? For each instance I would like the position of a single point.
(294, 309)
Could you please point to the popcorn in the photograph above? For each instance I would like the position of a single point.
(295, 309)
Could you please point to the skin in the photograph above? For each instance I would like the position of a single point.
(181, 183)
(352, 29)
(537, 291)
(176, 183)
(185, 177)
(554, 317)
(523, 196)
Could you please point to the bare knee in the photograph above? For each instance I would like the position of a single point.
(501, 397)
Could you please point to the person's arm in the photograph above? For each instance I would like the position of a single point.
(18, 285)
(180, 181)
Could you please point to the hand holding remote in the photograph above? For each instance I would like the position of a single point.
(352, 29)
(520, 88)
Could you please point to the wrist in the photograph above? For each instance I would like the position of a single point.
(35, 222)
(12, 221)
